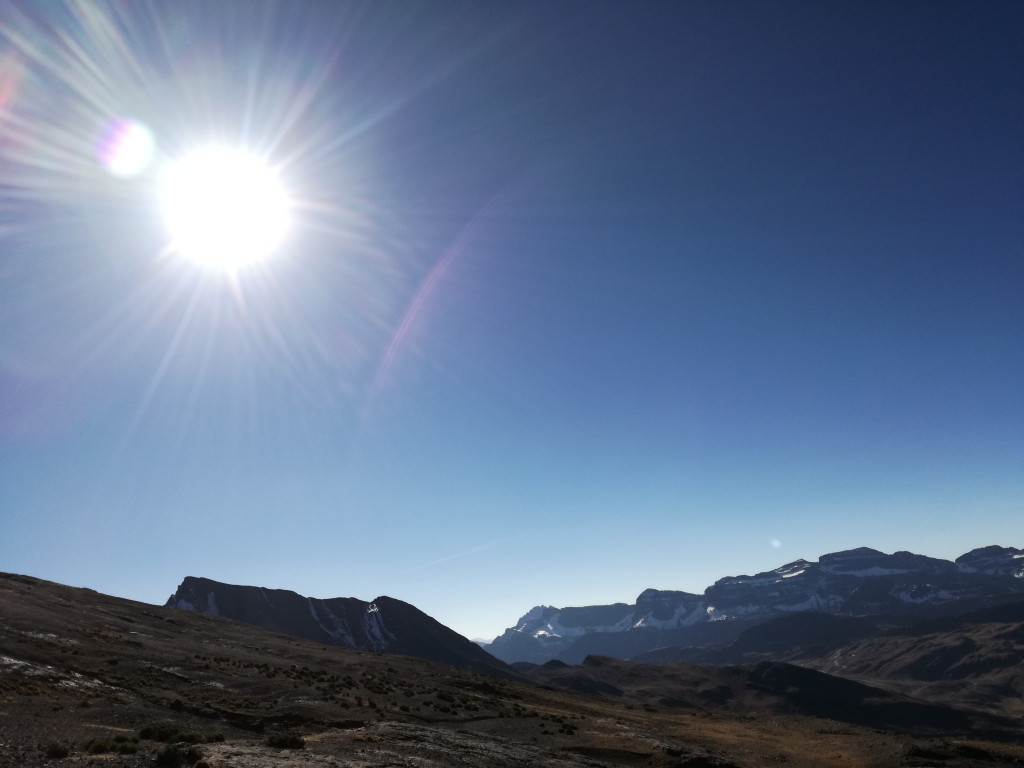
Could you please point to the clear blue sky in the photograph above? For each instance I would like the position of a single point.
(578, 299)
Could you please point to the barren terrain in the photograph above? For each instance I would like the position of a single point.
(87, 679)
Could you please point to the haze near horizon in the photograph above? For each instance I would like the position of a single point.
(559, 302)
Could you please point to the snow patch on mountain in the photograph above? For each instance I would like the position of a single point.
(682, 616)
(809, 603)
(531, 617)
(923, 595)
(556, 629)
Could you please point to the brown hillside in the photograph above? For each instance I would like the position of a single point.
(141, 685)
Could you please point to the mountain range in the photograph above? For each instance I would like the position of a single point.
(901, 587)
(787, 613)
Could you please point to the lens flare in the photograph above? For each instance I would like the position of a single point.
(126, 149)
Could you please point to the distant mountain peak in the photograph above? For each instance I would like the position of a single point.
(994, 561)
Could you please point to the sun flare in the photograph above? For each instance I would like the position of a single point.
(225, 208)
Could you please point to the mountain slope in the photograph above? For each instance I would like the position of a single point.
(385, 625)
(976, 659)
(772, 687)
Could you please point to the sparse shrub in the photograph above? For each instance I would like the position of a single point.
(168, 734)
(976, 753)
(164, 733)
(286, 741)
(169, 756)
(104, 745)
(57, 751)
(173, 755)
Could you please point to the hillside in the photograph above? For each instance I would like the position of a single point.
(140, 685)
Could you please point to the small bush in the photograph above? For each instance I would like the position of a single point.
(164, 733)
(104, 745)
(168, 734)
(168, 756)
(174, 755)
(57, 751)
(286, 741)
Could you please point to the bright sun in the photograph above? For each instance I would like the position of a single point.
(224, 207)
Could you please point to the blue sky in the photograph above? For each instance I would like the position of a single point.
(578, 299)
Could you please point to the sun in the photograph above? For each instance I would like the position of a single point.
(224, 208)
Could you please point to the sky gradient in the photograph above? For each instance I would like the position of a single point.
(578, 298)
